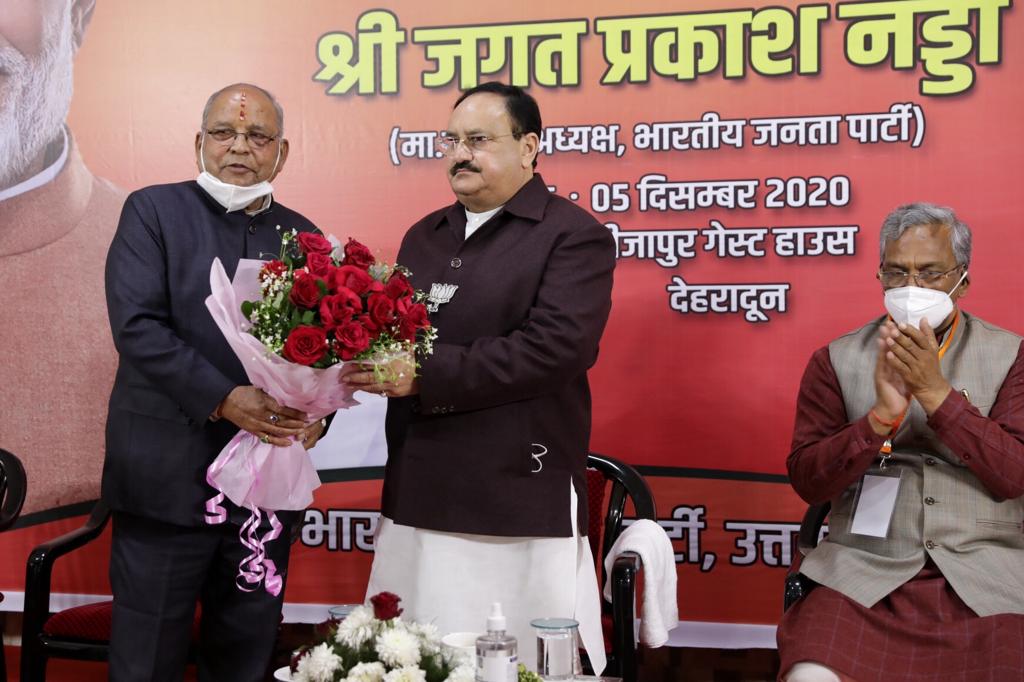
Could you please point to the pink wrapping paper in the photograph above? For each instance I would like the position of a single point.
(250, 473)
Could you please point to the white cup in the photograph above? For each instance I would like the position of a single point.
(462, 645)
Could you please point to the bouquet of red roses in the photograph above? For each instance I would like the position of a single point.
(323, 304)
(294, 323)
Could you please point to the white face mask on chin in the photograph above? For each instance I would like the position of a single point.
(233, 197)
(910, 304)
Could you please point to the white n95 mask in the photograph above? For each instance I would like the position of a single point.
(911, 304)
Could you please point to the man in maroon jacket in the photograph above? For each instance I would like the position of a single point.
(485, 490)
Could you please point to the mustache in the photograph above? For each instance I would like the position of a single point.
(463, 165)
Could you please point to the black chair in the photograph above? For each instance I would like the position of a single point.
(80, 633)
(626, 482)
(12, 499)
(798, 585)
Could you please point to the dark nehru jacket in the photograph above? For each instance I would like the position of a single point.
(502, 421)
(175, 366)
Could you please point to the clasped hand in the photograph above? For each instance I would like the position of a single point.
(908, 366)
(251, 409)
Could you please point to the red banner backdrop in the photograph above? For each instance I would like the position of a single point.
(743, 156)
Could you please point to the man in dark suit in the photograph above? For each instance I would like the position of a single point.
(179, 396)
(485, 489)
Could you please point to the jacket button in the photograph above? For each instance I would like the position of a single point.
(252, 228)
(929, 500)
(456, 263)
(930, 461)
(435, 410)
(930, 545)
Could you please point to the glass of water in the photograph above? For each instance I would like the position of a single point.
(558, 648)
(341, 611)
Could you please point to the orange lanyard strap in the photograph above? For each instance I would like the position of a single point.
(886, 449)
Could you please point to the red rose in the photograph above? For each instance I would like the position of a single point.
(372, 327)
(274, 268)
(381, 309)
(412, 321)
(351, 277)
(358, 255)
(385, 606)
(319, 264)
(398, 286)
(350, 339)
(311, 242)
(305, 291)
(339, 308)
(305, 345)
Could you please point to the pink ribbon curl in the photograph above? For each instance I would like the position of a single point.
(256, 568)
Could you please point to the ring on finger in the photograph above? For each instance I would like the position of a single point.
(264, 438)
(274, 418)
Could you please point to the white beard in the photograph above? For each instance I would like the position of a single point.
(34, 100)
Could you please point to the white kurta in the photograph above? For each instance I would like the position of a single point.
(451, 579)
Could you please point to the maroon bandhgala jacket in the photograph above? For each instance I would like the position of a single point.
(502, 421)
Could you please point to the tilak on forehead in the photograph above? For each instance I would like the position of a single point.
(241, 107)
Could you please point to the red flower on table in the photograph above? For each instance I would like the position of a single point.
(305, 345)
(385, 606)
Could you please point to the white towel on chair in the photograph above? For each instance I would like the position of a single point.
(659, 611)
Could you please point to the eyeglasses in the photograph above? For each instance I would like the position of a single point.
(449, 144)
(256, 139)
(891, 279)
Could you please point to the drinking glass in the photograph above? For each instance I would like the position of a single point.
(558, 649)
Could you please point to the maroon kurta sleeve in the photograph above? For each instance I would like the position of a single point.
(829, 453)
(993, 446)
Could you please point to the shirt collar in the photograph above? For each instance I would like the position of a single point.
(529, 202)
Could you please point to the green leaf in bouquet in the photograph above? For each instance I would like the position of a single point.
(247, 308)
(295, 319)
(307, 317)
(322, 286)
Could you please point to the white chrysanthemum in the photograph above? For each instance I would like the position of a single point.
(430, 636)
(357, 628)
(464, 673)
(397, 647)
(367, 672)
(406, 674)
(319, 665)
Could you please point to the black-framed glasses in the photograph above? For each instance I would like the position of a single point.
(892, 279)
(448, 144)
(255, 138)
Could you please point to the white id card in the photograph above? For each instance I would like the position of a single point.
(876, 501)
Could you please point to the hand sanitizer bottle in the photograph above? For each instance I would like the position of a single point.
(496, 652)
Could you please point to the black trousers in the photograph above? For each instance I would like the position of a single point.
(158, 572)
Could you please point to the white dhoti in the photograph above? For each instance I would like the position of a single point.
(451, 579)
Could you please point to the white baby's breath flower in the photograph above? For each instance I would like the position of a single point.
(406, 674)
(319, 665)
(397, 647)
(367, 672)
(357, 628)
(464, 673)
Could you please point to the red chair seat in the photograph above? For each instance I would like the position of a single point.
(91, 622)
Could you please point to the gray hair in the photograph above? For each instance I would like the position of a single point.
(911, 215)
(273, 101)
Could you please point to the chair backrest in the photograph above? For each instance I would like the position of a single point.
(12, 489)
(626, 482)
